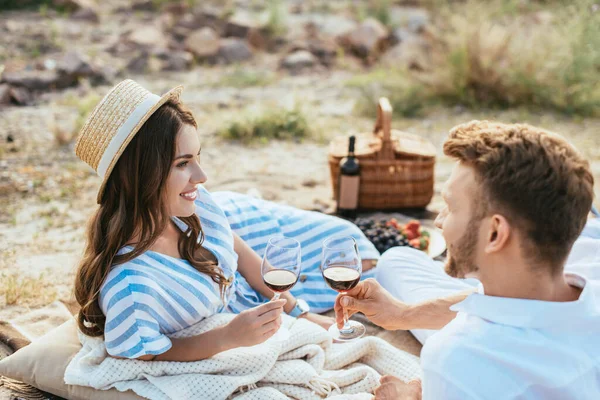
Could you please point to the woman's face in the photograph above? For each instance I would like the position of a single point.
(185, 174)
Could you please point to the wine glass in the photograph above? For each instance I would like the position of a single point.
(341, 267)
(280, 269)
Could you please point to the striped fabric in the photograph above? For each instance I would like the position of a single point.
(154, 294)
(256, 220)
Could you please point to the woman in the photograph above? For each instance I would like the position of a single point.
(161, 254)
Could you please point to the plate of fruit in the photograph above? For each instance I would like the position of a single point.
(388, 233)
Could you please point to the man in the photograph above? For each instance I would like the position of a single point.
(518, 325)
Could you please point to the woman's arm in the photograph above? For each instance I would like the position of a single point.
(248, 328)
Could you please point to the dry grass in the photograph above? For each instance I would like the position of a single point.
(27, 291)
(494, 55)
(17, 288)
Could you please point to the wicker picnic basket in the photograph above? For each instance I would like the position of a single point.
(396, 168)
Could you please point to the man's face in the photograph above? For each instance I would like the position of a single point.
(459, 222)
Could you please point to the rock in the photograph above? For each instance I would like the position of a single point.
(38, 80)
(175, 8)
(75, 65)
(398, 35)
(183, 24)
(234, 50)
(416, 23)
(413, 52)
(299, 60)
(413, 19)
(86, 14)
(138, 64)
(309, 183)
(120, 47)
(147, 37)
(73, 31)
(21, 96)
(203, 44)
(4, 94)
(325, 49)
(367, 39)
(74, 5)
(240, 24)
(258, 39)
(335, 25)
(143, 5)
(108, 74)
(176, 61)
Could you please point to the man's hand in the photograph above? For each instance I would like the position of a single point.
(392, 388)
(369, 298)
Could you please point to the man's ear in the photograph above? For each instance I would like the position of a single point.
(498, 234)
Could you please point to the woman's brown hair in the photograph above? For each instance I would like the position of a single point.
(133, 206)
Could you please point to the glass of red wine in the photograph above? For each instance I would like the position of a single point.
(341, 267)
(280, 270)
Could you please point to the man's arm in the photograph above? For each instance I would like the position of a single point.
(432, 314)
(381, 308)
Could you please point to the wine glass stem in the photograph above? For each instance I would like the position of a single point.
(346, 328)
(276, 296)
(346, 323)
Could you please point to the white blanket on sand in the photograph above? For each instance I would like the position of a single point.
(307, 366)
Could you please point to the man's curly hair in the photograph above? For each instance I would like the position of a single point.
(533, 177)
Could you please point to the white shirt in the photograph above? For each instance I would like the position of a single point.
(502, 348)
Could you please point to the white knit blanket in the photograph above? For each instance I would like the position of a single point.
(307, 366)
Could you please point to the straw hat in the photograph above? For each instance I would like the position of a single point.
(113, 124)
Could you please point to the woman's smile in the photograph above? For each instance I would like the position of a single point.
(191, 195)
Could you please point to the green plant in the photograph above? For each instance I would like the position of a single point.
(242, 77)
(378, 9)
(273, 124)
(276, 22)
(407, 97)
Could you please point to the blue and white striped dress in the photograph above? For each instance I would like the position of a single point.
(256, 220)
(153, 295)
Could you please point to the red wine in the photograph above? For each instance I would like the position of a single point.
(341, 278)
(280, 280)
(349, 182)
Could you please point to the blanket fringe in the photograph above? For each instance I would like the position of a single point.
(322, 386)
(248, 388)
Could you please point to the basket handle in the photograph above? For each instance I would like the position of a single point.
(383, 128)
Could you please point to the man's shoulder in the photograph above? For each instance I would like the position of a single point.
(462, 334)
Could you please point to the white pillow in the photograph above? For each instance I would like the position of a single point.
(42, 364)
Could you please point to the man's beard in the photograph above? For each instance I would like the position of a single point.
(460, 260)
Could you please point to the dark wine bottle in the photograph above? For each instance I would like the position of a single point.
(349, 183)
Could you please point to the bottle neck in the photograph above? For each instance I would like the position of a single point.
(351, 147)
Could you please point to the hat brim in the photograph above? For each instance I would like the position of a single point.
(171, 95)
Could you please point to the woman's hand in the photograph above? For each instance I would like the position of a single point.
(318, 319)
(255, 325)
